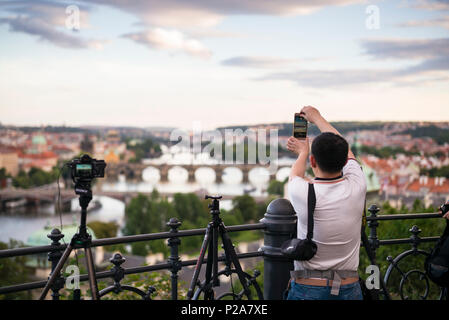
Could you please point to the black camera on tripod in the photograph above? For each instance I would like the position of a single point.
(84, 170)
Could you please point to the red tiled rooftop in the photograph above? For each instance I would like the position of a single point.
(434, 185)
(43, 155)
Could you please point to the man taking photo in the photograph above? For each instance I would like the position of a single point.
(340, 189)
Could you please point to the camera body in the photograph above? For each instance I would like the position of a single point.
(86, 169)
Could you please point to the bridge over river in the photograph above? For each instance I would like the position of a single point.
(49, 194)
(133, 171)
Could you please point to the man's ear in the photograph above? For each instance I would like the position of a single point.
(312, 161)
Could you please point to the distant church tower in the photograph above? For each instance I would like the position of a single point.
(356, 148)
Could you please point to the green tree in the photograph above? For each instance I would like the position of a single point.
(189, 244)
(138, 219)
(189, 207)
(231, 218)
(247, 207)
(107, 230)
(14, 271)
(34, 178)
(276, 187)
(140, 248)
(143, 149)
(149, 215)
(104, 229)
(3, 174)
(436, 172)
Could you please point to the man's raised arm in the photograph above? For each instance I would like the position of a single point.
(313, 115)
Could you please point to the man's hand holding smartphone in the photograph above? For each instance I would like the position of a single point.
(298, 146)
(311, 114)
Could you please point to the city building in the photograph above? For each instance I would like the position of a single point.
(9, 159)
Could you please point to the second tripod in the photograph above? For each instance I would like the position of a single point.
(214, 230)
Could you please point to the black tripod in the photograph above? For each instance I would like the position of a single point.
(80, 240)
(216, 229)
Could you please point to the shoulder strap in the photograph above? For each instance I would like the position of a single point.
(311, 202)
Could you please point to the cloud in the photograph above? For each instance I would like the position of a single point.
(406, 49)
(182, 13)
(171, 40)
(52, 12)
(258, 62)
(431, 4)
(442, 22)
(436, 64)
(203, 33)
(330, 78)
(432, 54)
(46, 20)
(46, 31)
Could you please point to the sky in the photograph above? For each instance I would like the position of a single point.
(174, 63)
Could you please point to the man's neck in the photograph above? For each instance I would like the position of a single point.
(323, 175)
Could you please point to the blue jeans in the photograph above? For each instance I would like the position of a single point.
(298, 291)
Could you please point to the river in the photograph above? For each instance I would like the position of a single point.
(20, 223)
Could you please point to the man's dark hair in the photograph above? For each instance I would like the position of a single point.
(330, 151)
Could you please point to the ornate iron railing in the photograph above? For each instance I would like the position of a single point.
(278, 225)
(414, 240)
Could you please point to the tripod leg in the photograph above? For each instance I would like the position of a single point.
(210, 259)
(215, 257)
(208, 292)
(56, 271)
(199, 263)
(230, 251)
(91, 273)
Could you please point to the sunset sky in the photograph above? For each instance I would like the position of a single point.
(174, 62)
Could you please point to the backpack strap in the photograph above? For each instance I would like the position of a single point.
(311, 203)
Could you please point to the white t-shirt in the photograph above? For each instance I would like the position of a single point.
(337, 218)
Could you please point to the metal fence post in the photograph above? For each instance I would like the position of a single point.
(280, 221)
(119, 273)
(372, 225)
(174, 243)
(416, 240)
(53, 257)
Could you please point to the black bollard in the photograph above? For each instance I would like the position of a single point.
(280, 221)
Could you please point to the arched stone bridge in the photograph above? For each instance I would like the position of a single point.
(133, 171)
(49, 194)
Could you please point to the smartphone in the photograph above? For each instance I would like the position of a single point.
(299, 127)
